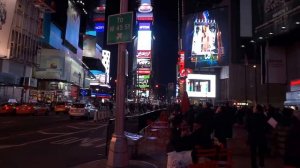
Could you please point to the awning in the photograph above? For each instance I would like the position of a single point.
(93, 63)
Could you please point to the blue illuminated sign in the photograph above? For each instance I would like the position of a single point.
(99, 27)
(144, 26)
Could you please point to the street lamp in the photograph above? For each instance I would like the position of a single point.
(255, 83)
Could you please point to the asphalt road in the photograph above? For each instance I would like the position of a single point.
(52, 141)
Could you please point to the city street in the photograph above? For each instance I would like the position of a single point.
(50, 141)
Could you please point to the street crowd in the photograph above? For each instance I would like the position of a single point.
(211, 126)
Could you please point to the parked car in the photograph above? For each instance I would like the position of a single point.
(26, 108)
(41, 109)
(8, 108)
(82, 110)
(61, 107)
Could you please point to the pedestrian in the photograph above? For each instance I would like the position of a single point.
(97, 112)
(220, 125)
(292, 151)
(257, 126)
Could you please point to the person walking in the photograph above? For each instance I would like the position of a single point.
(292, 152)
(220, 125)
(256, 126)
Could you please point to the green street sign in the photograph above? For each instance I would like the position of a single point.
(119, 29)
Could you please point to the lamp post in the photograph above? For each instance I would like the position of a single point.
(255, 83)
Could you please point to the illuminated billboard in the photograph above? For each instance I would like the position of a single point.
(143, 54)
(73, 25)
(7, 10)
(143, 64)
(144, 40)
(144, 26)
(205, 38)
(201, 85)
(89, 46)
(144, 16)
(99, 27)
(143, 81)
(143, 72)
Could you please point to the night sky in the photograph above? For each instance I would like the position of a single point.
(165, 45)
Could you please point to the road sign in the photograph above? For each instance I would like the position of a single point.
(119, 28)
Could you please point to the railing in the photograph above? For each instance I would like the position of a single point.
(134, 126)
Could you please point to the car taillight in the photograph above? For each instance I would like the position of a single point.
(17, 108)
(6, 107)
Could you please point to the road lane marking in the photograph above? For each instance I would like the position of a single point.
(70, 126)
(101, 145)
(46, 139)
(66, 141)
(86, 142)
(49, 133)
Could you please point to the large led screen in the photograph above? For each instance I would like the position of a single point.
(143, 81)
(143, 64)
(73, 25)
(201, 85)
(144, 40)
(7, 9)
(205, 38)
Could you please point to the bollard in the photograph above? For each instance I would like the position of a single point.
(96, 116)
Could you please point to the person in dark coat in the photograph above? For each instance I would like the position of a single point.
(181, 139)
(221, 125)
(292, 151)
(256, 127)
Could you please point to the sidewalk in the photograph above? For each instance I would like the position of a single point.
(241, 151)
(152, 151)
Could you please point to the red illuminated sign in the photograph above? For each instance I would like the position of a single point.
(181, 60)
(99, 19)
(100, 9)
(143, 72)
(295, 82)
(143, 54)
(145, 18)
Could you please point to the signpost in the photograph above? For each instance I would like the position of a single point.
(119, 32)
(119, 28)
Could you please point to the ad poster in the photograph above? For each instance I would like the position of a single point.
(205, 38)
(7, 9)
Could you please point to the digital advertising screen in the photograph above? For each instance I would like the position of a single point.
(143, 81)
(201, 85)
(143, 54)
(144, 26)
(143, 64)
(205, 38)
(89, 46)
(73, 25)
(7, 9)
(99, 27)
(144, 40)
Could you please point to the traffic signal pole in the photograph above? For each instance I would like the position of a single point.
(118, 150)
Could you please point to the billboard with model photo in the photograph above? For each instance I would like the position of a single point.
(205, 38)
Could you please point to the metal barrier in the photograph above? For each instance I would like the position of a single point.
(134, 124)
(101, 115)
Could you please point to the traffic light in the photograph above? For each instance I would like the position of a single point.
(156, 86)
